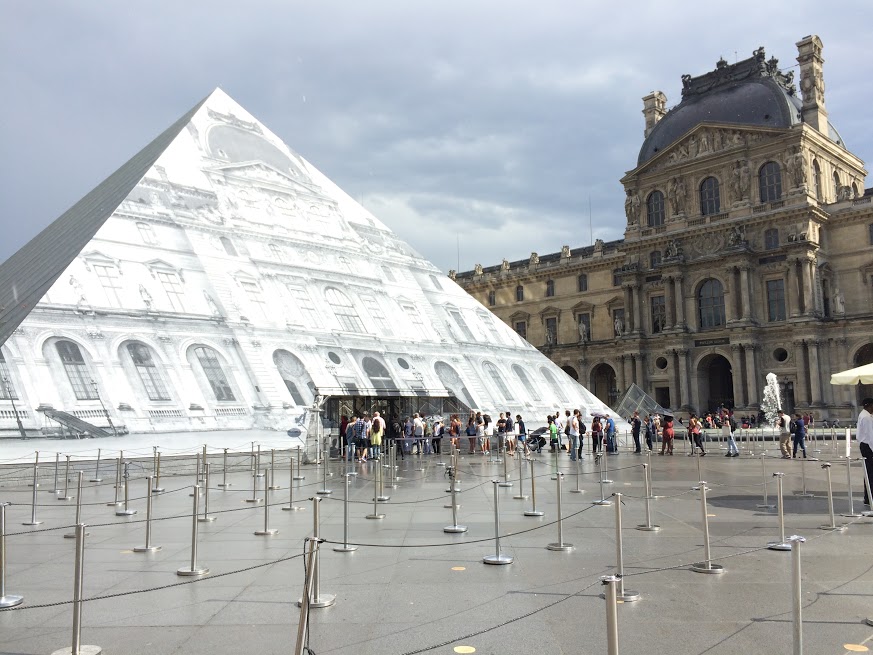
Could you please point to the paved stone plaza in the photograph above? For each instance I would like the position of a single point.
(413, 588)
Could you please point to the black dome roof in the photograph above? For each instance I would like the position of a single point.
(751, 92)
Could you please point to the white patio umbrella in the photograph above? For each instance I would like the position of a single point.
(860, 375)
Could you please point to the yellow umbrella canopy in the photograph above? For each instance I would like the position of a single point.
(860, 375)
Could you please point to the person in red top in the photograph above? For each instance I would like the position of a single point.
(667, 435)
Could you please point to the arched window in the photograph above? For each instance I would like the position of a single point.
(379, 376)
(214, 373)
(770, 182)
(295, 377)
(582, 282)
(710, 302)
(710, 203)
(77, 370)
(497, 379)
(228, 246)
(344, 310)
(816, 178)
(492, 299)
(771, 238)
(655, 258)
(525, 382)
(7, 388)
(550, 288)
(453, 383)
(556, 388)
(836, 185)
(148, 372)
(275, 251)
(519, 293)
(655, 208)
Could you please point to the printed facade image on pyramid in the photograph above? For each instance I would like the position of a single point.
(217, 280)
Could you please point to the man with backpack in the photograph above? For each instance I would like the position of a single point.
(799, 435)
(611, 446)
(728, 427)
(784, 434)
(636, 425)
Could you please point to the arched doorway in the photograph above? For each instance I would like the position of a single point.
(569, 370)
(864, 356)
(603, 384)
(716, 383)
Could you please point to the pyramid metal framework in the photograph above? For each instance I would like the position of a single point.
(637, 400)
(219, 280)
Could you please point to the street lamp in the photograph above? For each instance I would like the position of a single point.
(14, 410)
(108, 418)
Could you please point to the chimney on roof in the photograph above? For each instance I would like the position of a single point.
(812, 82)
(654, 108)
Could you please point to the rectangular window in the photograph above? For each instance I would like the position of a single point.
(870, 234)
(174, 290)
(461, 323)
(776, 300)
(415, 320)
(659, 314)
(108, 276)
(253, 293)
(616, 279)
(551, 331)
(214, 374)
(376, 316)
(7, 389)
(303, 310)
(147, 234)
(582, 283)
(521, 329)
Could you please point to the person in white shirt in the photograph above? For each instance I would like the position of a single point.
(865, 439)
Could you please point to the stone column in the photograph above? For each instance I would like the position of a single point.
(669, 299)
(752, 375)
(684, 381)
(807, 268)
(640, 309)
(639, 360)
(680, 303)
(745, 293)
(792, 290)
(730, 305)
(841, 364)
(629, 321)
(628, 365)
(814, 373)
(620, 378)
(801, 391)
(737, 374)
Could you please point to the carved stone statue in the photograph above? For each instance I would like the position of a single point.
(146, 297)
(534, 259)
(673, 250)
(632, 206)
(598, 245)
(745, 178)
(504, 266)
(478, 269)
(565, 252)
(618, 324)
(583, 333)
(677, 193)
(213, 307)
(844, 193)
(839, 302)
(795, 164)
(453, 274)
(550, 338)
(78, 292)
(737, 236)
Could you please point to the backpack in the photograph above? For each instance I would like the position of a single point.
(733, 424)
(792, 426)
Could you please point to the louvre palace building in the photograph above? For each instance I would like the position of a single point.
(748, 249)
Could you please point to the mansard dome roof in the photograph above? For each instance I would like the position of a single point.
(752, 92)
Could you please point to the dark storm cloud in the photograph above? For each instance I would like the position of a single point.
(489, 125)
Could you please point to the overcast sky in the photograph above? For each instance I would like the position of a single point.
(492, 123)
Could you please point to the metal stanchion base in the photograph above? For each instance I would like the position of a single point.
(455, 529)
(72, 535)
(833, 528)
(852, 516)
(577, 491)
(260, 475)
(605, 481)
(559, 546)
(345, 549)
(146, 549)
(296, 478)
(763, 506)
(96, 480)
(158, 490)
(125, 512)
(116, 503)
(603, 502)
(11, 601)
(293, 508)
(504, 484)
(867, 514)
(192, 572)
(275, 486)
(266, 533)
(530, 512)
(375, 516)
(192, 495)
(518, 497)
(627, 597)
(383, 499)
(449, 490)
(324, 492)
(497, 559)
(229, 484)
(649, 528)
(64, 498)
(806, 495)
(254, 500)
(868, 621)
(83, 650)
(449, 506)
(206, 519)
(325, 600)
(775, 545)
(32, 523)
(703, 567)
